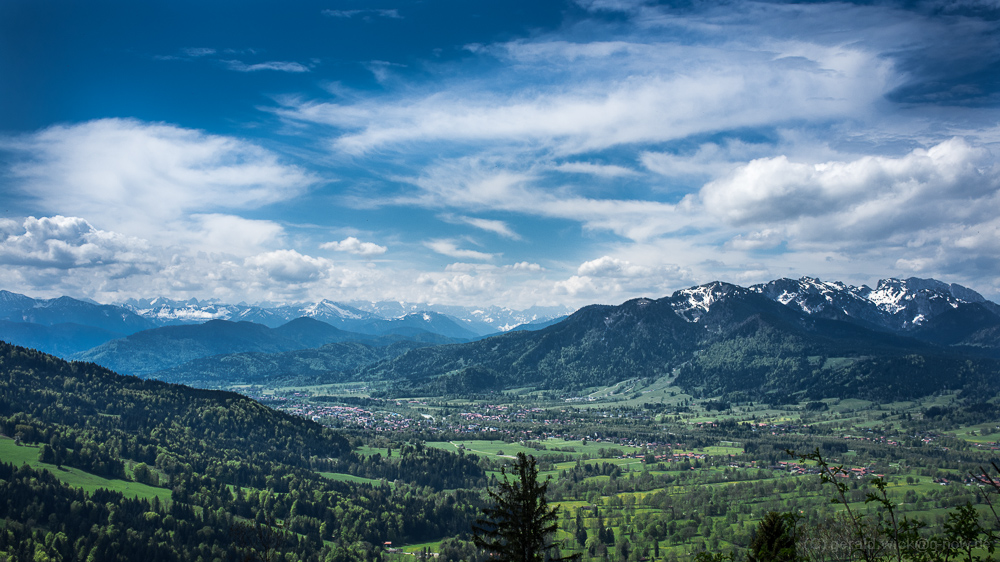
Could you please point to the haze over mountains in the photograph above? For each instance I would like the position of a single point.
(787, 337)
(65, 326)
(351, 315)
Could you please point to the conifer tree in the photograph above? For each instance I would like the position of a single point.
(518, 525)
(774, 541)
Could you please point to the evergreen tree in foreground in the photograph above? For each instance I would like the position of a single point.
(775, 539)
(516, 528)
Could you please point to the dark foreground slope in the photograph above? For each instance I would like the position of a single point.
(226, 460)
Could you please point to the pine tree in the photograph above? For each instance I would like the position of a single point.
(517, 527)
(775, 539)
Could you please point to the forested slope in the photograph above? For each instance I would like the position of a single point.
(738, 343)
(227, 460)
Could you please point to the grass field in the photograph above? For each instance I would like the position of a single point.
(28, 454)
(494, 448)
(351, 478)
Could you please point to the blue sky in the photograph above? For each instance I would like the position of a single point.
(509, 153)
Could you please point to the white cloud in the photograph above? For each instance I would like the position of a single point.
(607, 266)
(65, 243)
(382, 70)
(450, 248)
(279, 66)
(757, 240)
(602, 170)
(352, 245)
(347, 14)
(712, 88)
(289, 266)
(526, 266)
(136, 177)
(603, 277)
(859, 198)
(611, 5)
(495, 226)
(577, 285)
(483, 184)
(198, 51)
(460, 286)
(230, 234)
(709, 160)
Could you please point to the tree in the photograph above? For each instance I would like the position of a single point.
(258, 541)
(775, 539)
(518, 525)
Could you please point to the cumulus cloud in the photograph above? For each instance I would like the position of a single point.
(289, 266)
(65, 243)
(354, 246)
(607, 266)
(607, 275)
(861, 197)
(230, 234)
(526, 266)
(135, 177)
(459, 286)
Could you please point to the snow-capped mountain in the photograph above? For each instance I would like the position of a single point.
(469, 321)
(692, 303)
(66, 310)
(894, 304)
(481, 320)
(166, 312)
(905, 338)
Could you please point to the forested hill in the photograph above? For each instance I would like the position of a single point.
(712, 340)
(117, 410)
(596, 345)
(225, 459)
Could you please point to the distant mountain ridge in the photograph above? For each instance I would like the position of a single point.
(456, 321)
(895, 304)
(787, 337)
(161, 348)
(67, 327)
(64, 326)
(66, 310)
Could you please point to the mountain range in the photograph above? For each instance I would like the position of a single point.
(778, 340)
(208, 350)
(72, 328)
(469, 322)
(774, 341)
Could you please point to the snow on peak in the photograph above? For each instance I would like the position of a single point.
(691, 304)
(896, 295)
(899, 303)
(325, 307)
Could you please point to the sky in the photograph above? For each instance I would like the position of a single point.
(478, 153)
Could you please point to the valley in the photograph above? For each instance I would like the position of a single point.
(669, 429)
